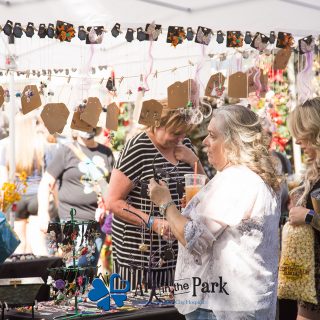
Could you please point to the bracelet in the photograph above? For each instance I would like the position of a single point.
(150, 222)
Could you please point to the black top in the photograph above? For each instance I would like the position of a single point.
(75, 186)
(309, 201)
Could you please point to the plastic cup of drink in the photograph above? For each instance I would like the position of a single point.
(193, 184)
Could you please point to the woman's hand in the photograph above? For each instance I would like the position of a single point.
(159, 192)
(161, 227)
(183, 201)
(185, 154)
(297, 215)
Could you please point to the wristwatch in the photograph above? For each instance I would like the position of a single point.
(163, 208)
(309, 217)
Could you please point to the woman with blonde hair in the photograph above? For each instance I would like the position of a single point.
(29, 158)
(304, 124)
(159, 148)
(228, 233)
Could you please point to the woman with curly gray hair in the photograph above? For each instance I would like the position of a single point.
(228, 233)
(304, 124)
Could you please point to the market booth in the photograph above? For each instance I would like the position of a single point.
(84, 65)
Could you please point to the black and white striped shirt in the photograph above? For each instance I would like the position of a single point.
(135, 161)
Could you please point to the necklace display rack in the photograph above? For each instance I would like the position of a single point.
(166, 252)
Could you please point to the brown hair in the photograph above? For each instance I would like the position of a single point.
(173, 120)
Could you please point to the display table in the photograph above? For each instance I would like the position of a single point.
(31, 268)
(148, 313)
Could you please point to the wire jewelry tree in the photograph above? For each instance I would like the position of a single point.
(75, 269)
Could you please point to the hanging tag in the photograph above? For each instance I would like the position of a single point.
(281, 59)
(260, 41)
(306, 44)
(203, 35)
(238, 85)
(215, 85)
(78, 124)
(175, 35)
(1, 96)
(91, 111)
(30, 99)
(234, 39)
(180, 93)
(55, 116)
(284, 40)
(64, 31)
(94, 35)
(150, 112)
(112, 116)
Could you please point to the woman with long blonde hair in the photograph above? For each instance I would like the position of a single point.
(228, 233)
(304, 124)
(29, 158)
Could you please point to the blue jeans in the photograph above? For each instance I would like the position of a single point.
(201, 314)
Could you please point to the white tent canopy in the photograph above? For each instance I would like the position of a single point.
(300, 17)
(132, 59)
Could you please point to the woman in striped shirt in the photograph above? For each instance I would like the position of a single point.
(159, 148)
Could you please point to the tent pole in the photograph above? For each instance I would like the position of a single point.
(11, 67)
(12, 156)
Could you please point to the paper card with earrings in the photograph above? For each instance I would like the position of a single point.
(203, 35)
(113, 112)
(78, 124)
(234, 39)
(150, 113)
(1, 96)
(152, 31)
(30, 99)
(281, 59)
(238, 85)
(91, 112)
(64, 31)
(215, 85)
(306, 44)
(284, 40)
(95, 35)
(180, 93)
(176, 35)
(55, 116)
(260, 41)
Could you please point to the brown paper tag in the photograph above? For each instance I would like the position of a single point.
(112, 116)
(55, 116)
(238, 85)
(216, 81)
(1, 96)
(150, 112)
(91, 111)
(281, 59)
(180, 93)
(78, 124)
(30, 99)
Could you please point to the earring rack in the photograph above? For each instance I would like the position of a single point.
(74, 268)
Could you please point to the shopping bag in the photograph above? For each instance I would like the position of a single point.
(9, 240)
